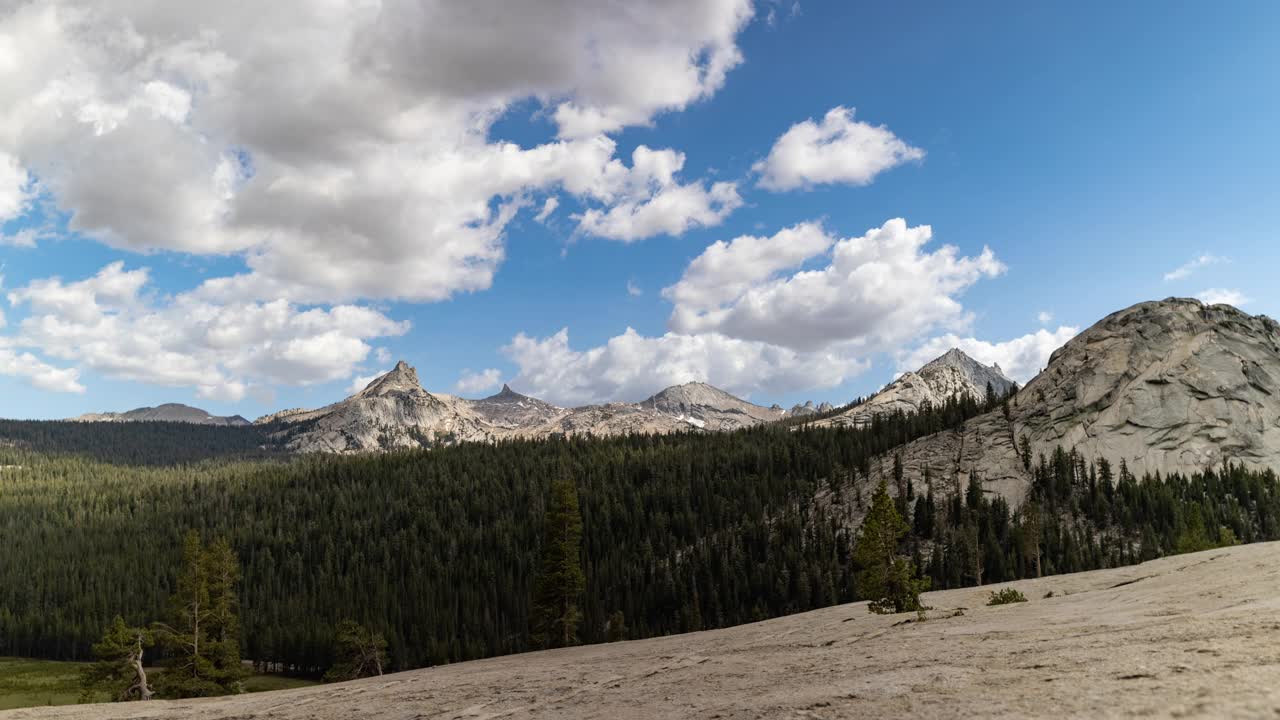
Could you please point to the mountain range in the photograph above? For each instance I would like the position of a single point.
(1164, 386)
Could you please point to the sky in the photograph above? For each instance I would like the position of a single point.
(247, 209)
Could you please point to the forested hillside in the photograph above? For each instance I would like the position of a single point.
(137, 443)
(437, 550)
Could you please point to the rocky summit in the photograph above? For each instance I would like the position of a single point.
(1167, 386)
(395, 411)
(951, 375)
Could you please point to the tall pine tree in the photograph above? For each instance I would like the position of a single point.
(203, 639)
(886, 578)
(561, 581)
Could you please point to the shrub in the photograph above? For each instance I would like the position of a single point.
(1006, 596)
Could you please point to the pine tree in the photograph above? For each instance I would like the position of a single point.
(119, 670)
(358, 652)
(560, 584)
(886, 578)
(203, 639)
(222, 621)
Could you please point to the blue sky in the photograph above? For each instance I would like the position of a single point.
(1094, 148)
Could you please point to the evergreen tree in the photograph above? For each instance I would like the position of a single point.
(358, 652)
(560, 584)
(203, 639)
(222, 621)
(886, 578)
(119, 670)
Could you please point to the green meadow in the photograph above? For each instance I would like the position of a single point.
(30, 683)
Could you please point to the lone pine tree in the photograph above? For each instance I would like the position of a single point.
(203, 639)
(358, 652)
(560, 583)
(119, 670)
(886, 578)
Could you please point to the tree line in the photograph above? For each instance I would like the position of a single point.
(469, 551)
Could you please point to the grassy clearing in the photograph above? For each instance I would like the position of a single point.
(31, 683)
(28, 683)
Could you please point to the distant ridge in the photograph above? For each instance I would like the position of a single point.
(169, 412)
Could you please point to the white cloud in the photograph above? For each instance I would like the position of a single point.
(836, 150)
(1223, 296)
(875, 292)
(360, 382)
(1020, 358)
(15, 187)
(726, 270)
(39, 374)
(632, 367)
(344, 150)
(382, 355)
(1044, 317)
(651, 201)
(472, 383)
(24, 238)
(548, 207)
(1186, 269)
(112, 324)
(633, 289)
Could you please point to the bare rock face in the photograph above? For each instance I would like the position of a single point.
(950, 375)
(708, 407)
(169, 412)
(1168, 386)
(391, 412)
(1172, 385)
(510, 409)
(682, 408)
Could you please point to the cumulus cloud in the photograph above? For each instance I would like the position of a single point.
(1223, 296)
(15, 187)
(633, 289)
(631, 366)
(838, 149)
(114, 324)
(1188, 268)
(649, 200)
(39, 374)
(726, 270)
(344, 151)
(1020, 358)
(1044, 317)
(472, 383)
(874, 292)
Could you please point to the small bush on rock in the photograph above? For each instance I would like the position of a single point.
(1006, 596)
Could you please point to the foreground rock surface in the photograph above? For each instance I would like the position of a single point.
(1188, 636)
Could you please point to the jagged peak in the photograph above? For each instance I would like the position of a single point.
(975, 370)
(402, 378)
(506, 394)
